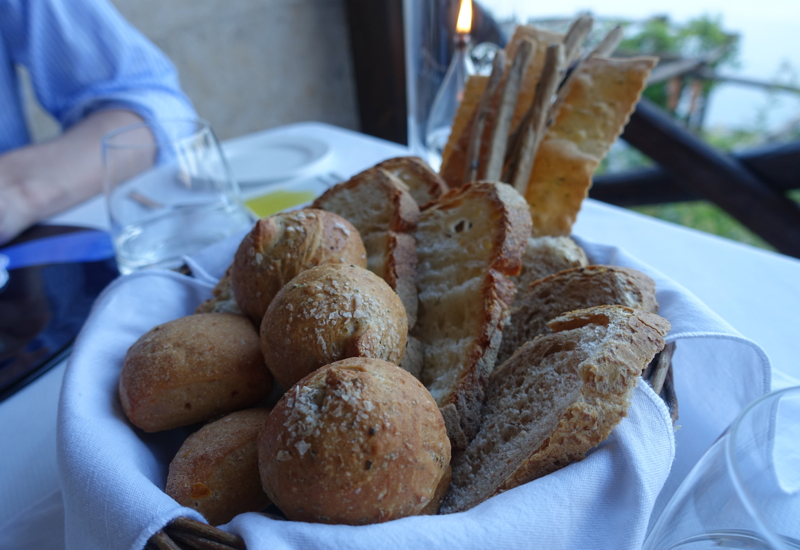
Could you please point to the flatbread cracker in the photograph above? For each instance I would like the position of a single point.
(601, 98)
(454, 157)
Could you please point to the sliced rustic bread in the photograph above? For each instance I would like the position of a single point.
(545, 256)
(468, 243)
(554, 399)
(424, 184)
(577, 288)
(380, 206)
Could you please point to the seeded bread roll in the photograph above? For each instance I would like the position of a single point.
(554, 399)
(223, 300)
(578, 288)
(359, 441)
(216, 469)
(328, 313)
(284, 245)
(193, 369)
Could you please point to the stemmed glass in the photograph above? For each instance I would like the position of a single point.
(169, 191)
(745, 490)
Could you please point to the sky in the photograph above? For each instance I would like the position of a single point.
(769, 31)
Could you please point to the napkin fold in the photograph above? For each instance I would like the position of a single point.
(113, 475)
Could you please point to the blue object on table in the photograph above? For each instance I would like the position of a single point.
(54, 275)
(80, 246)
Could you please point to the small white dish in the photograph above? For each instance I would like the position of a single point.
(261, 159)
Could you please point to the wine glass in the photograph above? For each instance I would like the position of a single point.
(169, 191)
(745, 490)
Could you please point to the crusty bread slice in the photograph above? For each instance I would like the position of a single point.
(454, 156)
(554, 399)
(577, 288)
(468, 243)
(381, 207)
(545, 256)
(425, 185)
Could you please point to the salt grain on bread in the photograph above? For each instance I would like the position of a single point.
(577, 288)
(193, 369)
(359, 441)
(468, 244)
(328, 313)
(216, 469)
(282, 246)
(554, 399)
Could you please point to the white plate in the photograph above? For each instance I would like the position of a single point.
(262, 159)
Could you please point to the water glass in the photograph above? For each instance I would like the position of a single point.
(745, 491)
(169, 191)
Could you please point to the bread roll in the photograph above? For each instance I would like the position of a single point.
(359, 441)
(216, 469)
(193, 369)
(328, 313)
(284, 245)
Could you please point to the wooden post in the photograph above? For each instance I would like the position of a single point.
(716, 176)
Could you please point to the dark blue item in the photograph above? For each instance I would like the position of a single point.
(55, 275)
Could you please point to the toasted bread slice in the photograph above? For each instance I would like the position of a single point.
(423, 183)
(381, 207)
(468, 244)
(577, 288)
(554, 399)
(546, 256)
(601, 96)
(454, 156)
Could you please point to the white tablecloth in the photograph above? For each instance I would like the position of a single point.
(755, 291)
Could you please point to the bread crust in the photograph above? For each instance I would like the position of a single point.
(359, 441)
(216, 469)
(284, 245)
(424, 184)
(554, 399)
(328, 313)
(571, 289)
(193, 369)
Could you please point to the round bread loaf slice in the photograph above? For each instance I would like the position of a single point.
(328, 313)
(282, 246)
(216, 469)
(359, 441)
(572, 289)
(191, 370)
(554, 399)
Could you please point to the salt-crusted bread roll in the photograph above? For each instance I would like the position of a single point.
(282, 246)
(328, 313)
(359, 441)
(216, 469)
(193, 369)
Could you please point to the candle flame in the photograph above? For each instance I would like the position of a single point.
(464, 23)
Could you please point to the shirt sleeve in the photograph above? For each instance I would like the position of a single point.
(83, 56)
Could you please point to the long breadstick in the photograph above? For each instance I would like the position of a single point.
(481, 114)
(508, 101)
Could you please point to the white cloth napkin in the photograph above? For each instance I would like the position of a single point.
(113, 474)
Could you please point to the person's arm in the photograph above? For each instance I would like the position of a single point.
(40, 180)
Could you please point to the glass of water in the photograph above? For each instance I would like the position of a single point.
(745, 491)
(169, 191)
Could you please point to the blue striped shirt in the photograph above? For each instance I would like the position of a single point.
(82, 56)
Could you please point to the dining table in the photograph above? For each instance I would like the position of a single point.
(755, 291)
